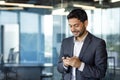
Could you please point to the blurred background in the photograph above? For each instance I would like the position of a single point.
(31, 32)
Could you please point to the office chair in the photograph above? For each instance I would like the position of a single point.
(1, 67)
(6, 73)
(11, 72)
(47, 73)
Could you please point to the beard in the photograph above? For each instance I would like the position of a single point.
(78, 33)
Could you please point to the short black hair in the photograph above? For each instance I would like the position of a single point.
(78, 13)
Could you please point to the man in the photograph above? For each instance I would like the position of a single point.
(82, 56)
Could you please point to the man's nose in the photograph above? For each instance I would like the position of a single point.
(72, 28)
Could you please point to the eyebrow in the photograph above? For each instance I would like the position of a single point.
(74, 24)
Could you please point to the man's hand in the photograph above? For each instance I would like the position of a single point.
(73, 61)
(65, 61)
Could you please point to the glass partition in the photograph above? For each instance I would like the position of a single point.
(10, 43)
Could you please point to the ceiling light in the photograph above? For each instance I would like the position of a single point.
(42, 6)
(96, 0)
(60, 11)
(11, 8)
(26, 5)
(84, 6)
(2, 2)
(115, 1)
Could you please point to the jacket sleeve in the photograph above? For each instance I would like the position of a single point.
(60, 67)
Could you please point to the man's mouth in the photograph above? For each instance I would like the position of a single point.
(75, 32)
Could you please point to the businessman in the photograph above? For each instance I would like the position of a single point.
(82, 56)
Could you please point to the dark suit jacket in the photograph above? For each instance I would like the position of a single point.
(93, 54)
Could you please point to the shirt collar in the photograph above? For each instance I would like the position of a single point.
(82, 38)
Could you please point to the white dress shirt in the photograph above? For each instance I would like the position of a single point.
(77, 49)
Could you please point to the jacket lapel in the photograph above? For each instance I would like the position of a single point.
(71, 46)
(85, 45)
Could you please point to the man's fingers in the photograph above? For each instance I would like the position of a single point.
(63, 58)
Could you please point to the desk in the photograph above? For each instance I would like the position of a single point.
(26, 65)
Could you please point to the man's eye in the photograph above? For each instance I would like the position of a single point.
(70, 25)
(75, 25)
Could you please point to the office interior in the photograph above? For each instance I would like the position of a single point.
(33, 31)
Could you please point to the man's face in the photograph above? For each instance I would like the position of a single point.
(77, 27)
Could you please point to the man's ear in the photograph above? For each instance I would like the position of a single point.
(86, 23)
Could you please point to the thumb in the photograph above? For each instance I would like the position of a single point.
(63, 58)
